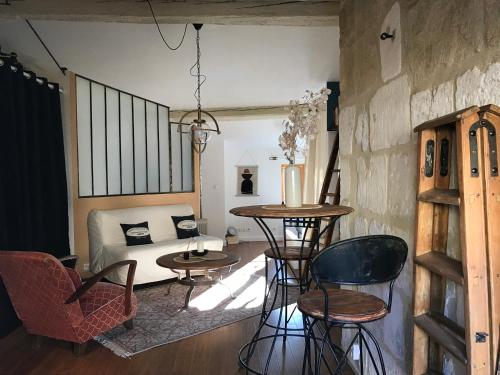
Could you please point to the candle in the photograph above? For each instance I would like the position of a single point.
(201, 247)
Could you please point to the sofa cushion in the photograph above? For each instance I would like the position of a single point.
(104, 227)
(136, 234)
(185, 226)
(146, 255)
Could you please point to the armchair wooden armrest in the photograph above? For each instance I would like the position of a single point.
(132, 264)
(69, 261)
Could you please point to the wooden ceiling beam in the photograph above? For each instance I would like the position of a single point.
(270, 12)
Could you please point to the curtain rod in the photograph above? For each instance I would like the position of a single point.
(27, 75)
(62, 69)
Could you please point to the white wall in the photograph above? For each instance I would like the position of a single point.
(243, 142)
(245, 65)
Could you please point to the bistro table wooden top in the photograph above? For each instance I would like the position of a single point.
(279, 211)
(168, 261)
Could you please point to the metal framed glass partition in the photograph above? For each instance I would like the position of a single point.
(127, 145)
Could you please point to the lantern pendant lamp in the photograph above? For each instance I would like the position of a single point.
(202, 124)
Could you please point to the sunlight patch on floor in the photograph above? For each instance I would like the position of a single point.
(250, 296)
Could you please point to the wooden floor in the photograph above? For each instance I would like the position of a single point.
(210, 353)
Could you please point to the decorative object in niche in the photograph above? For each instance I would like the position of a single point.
(300, 126)
(247, 180)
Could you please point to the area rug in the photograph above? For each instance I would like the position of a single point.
(159, 321)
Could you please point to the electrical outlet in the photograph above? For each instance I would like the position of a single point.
(86, 267)
(355, 352)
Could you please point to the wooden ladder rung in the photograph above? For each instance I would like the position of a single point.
(442, 196)
(443, 265)
(444, 332)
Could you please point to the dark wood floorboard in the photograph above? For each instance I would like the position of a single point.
(211, 353)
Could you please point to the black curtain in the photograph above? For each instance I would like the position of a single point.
(33, 191)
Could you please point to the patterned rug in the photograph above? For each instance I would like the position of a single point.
(159, 321)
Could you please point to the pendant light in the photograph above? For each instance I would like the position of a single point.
(204, 124)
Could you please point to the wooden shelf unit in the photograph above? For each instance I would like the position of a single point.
(473, 132)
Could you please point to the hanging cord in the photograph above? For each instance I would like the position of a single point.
(62, 69)
(200, 77)
(161, 34)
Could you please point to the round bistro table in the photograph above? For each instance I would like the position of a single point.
(207, 265)
(308, 213)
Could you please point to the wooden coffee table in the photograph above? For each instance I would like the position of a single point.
(176, 262)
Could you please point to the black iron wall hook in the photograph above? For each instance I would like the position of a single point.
(385, 36)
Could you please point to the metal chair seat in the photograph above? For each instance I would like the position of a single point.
(344, 306)
(291, 253)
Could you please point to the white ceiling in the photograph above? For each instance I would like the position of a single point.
(246, 65)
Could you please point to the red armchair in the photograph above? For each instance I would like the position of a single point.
(52, 301)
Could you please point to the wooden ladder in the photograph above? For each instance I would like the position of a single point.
(473, 133)
(325, 188)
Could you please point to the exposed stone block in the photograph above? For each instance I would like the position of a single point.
(442, 100)
(362, 176)
(360, 226)
(390, 115)
(404, 282)
(469, 88)
(345, 177)
(347, 123)
(376, 227)
(430, 104)
(362, 131)
(372, 184)
(376, 185)
(492, 15)
(491, 85)
(420, 107)
(477, 88)
(402, 184)
(345, 227)
(396, 324)
(390, 49)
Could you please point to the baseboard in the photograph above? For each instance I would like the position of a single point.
(258, 238)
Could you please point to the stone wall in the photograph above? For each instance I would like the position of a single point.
(445, 56)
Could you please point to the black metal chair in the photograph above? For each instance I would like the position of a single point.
(358, 261)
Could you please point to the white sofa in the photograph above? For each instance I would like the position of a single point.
(107, 241)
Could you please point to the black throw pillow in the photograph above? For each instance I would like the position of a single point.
(185, 226)
(137, 234)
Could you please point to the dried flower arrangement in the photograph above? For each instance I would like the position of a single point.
(302, 123)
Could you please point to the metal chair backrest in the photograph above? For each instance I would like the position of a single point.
(360, 261)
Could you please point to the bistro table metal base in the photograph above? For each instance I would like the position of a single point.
(279, 283)
(336, 351)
